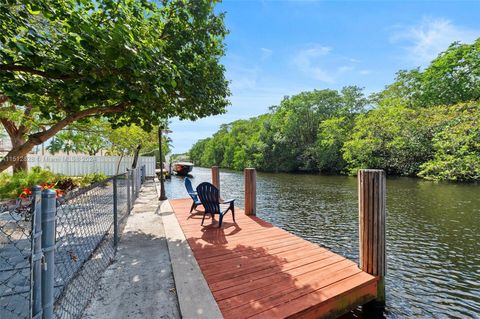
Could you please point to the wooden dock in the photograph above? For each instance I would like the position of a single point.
(257, 270)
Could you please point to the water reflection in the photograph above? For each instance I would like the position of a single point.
(433, 237)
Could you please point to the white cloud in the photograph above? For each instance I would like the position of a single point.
(242, 78)
(345, 68)
(321, 75)
(266, 53)
(306, 57)
(309, 60)
(319, 62)
(424, 41)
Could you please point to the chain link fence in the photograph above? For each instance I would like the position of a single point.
(15, 256)
(60, 281)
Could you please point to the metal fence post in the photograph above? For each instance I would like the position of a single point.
(129, 206)
(49, 209)
(141, 175)
(115, 213)
(133, 187)
(136, 182)
(139, 180)
(37, 254)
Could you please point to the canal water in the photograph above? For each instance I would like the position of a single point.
(433, 233)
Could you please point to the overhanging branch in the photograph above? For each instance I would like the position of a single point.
(41, 137)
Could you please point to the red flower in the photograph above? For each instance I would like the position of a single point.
(48, 186)
(25, 193)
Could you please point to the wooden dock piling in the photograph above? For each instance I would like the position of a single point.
(372, 217)
(216, 177)
(250, 191)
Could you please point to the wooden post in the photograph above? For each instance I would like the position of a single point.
(250, 191)
(216, 177)
(372, 214)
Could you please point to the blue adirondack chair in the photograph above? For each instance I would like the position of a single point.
(210, 198)
(192, 194)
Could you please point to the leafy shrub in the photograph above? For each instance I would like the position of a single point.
(456, 145)
(67, 183)
(396, 139)
(91, 178)
(436, 143)
(12, 185)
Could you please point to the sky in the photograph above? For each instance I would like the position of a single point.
(281, 48)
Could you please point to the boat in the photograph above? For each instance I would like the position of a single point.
(182, 168)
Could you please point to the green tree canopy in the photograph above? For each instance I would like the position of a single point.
(453, 77)
(66, 141)
(456, 145)
(396, 139)
(125, 140)
(295, 124)
(131, 61)
(286, 138)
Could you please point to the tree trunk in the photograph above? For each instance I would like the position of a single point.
(20, 162)
(118, 164)
(135, 157)
(16, 153)
(17, 139)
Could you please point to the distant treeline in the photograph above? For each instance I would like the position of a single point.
(426, 123)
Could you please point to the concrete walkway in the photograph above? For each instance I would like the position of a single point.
(139, 283)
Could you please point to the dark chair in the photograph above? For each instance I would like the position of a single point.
(192, 193)
(210, 198)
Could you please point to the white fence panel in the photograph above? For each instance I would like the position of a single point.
(76, 165)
